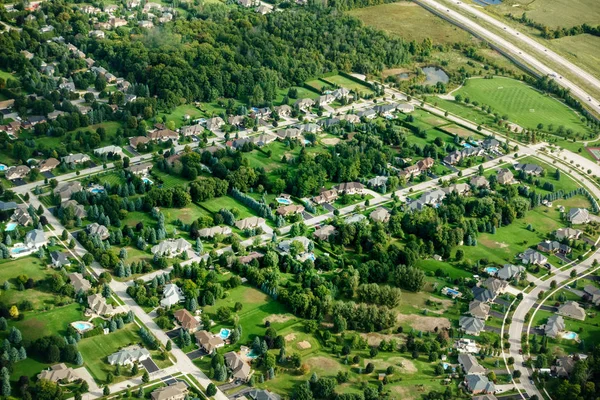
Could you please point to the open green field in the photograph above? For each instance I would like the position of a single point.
(411, 22)
(31, 266)
(214, 205)
(319, 85)
(553, 13)
(55, 321)
(170, 181)
(96, 349)
(303, 93)
(581, 49)
(524, 105)
(6, 75)
(349, 84)
(178, 114)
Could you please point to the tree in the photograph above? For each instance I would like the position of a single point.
(169, 345)
(211, 390)
(369, 368)
(14, 312)
(79, 359)
(106, 390)
(145, 377)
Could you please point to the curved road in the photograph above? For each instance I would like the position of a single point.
(510, 49)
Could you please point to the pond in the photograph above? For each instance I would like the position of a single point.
(434, 75)
(403, 75)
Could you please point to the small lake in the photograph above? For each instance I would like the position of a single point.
(434, 75)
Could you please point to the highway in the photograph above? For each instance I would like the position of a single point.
(510, 50)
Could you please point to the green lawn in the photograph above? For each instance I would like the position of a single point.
(349, 84)
(303, 93)
(214, 205)
(523, 104)
(95, 350)
(581, 49)
(52, 322)
(170, 181)
(177, 115)
(31, 266)
(588, 331)
(553, 13)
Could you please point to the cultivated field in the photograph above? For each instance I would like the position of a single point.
(411, 22)
(523, 104)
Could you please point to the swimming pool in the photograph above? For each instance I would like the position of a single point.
(147, 180)
(82, 326)
(97, 190)
(446, 365)
(2, 167)
(224, 333)
(311, 256)
(281, 200)
(452, 292)
(491, 270)
(467, 146)
(569, 335)
(19, 250)
(252, 355)
(11, 226)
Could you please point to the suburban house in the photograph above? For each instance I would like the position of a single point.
(59, 259)
(171, 247)
(567, 233)
(79, 282)
(505, 177)
(16, 172)
(552, 247)
(250, 257)
(554, 326)
(35, 239)
(65, 190)
(592, 294)
(479, 309)
(509, 271)
(355, 218)
(490, 144)
(48, 164)
(97, 305)
(532, 257)
(238, 367)
(416, 169)
(377, 182)
(97, 229)
(262, 394)
(214, 123)
(78, 209)
(367, 114)
(289, 133)
(304, 104)
(8, 205)
(326, 197)
(564, 366)
(352, 118)
(478, 384)
(310, 128)
(350, 188)
(578, 216)
(59, 373)
(172, 295)
(249, 223)
(163, 135)
(21, 216)
(470, 325)
(137, 140)
(340, 93)
(285, 245)
(470, 365)
(283, 110)
(466, 346)
(215, 230)
(456, 156)
(236, 120)
(175, 391)
(325, 99)
(324, 232)
(208, 341)
(572, 309)
(489, 289)
(479, 182)
(289, 210)
(529, 169)
(186, 320)
(140, 169)
(191, 130)
(108, 150)
(76, 158)
(129, 356)
(380, 214)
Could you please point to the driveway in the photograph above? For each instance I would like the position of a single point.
(328, 207)
(132, 150)
(307, 216)
(192, 355)
(494, 329)
(230, 385)
(150, 365)
(48, 174)
(173, 333)
(546, 308)
(18, 182)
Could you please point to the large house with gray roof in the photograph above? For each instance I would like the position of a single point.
(129, 356)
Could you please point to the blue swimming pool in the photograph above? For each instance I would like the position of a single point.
(569, 335)
(147, 180)
(467, 146)
(11, 226)
(224, 333)
(491, 270)
(19, 250)
(97, 190)
(281, 200)
(251, 355)
(2, 167)
(452, 292)
(82, 326)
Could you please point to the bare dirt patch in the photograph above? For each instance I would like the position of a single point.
(404, 365)
(290, 337)
(277, 318)
(254, 296)
(323, 363)
(304, 345)
(330, 141)
(423, 323)
(373, 339)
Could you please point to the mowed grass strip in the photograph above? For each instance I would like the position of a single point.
(523, 104)
(52, 322)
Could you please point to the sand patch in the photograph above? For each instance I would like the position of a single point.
(373, 339)
(330, 141)
(502, 245)
(304, 345)
(403, 365)
(290, 337)
(423, 323)
(277, 318)
(254, 296)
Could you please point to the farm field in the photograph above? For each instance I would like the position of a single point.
(523, 104)
(581, 49)
(411, 22)
(553, 13)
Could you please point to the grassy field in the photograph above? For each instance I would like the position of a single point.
(96, 349)
(170, 181)
(55, 321)
(411, 22)
(303, 93)
(523, 104)
(553, 13)
(319, 85)
(348, 84)
(31, 266)
(227, 202)
(581, 49)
